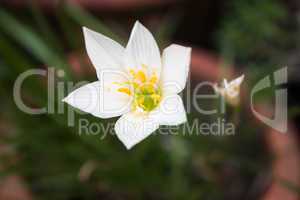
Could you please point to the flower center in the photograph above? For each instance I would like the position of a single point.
(147, 97)
(144, 89)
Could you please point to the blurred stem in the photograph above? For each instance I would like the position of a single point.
(31, 41)
(236, 114)
(178, 154)
(67, 26)
(12, 56)
(44, 26)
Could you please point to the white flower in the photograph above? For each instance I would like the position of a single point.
(135, 82)
(231, 91)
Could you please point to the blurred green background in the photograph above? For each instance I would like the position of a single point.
(52, 161)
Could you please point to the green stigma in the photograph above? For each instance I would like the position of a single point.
(147, 97)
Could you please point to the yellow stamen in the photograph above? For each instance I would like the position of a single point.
(153, 79)
(125, 90)
(131, 71)
(156, 97)
(140, 76)
(145, 90)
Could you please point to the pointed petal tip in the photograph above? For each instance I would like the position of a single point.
(64, 99)
(138, 26)
(239, 79)
(128, 147)
(137, 23)
(67, 100)
(86, 30)
(242, 76)
(125, 141)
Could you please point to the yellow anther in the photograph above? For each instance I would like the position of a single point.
(141, 101)
(156, 97)
(153, 79)
(131, 71)
(145, 91)
(125, 90)
(140, 76)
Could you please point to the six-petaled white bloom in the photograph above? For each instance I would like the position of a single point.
(135, 83)
(230, 91)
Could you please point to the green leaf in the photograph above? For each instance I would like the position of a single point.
(44, 27)
(12, 56)
(31, 41)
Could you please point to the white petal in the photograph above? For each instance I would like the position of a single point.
(103, 51)
(170, 111)
(142, 50)
(233, 87)
(132, 128)
(101, 98)
(176, 62)
(236, 82)
(112, 102)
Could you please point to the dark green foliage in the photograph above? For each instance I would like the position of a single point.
(254, 33)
